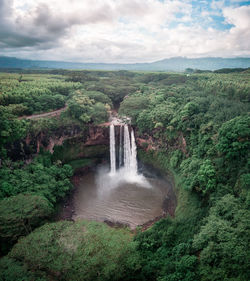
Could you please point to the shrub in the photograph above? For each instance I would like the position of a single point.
(94, 252)
(20, 214)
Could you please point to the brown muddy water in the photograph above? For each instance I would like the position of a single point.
(101, 197)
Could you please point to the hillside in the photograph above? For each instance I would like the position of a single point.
(171, 64)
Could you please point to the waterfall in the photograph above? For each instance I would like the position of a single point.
(120, 148)
(127, 149)
(112, 149)
(133, 163)
(127, 168)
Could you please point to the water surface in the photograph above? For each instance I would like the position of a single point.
(101, 197)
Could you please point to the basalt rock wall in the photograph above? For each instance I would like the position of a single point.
(72, 142)
(148, 142)
(72, 137)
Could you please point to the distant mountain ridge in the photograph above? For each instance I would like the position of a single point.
(171, 64)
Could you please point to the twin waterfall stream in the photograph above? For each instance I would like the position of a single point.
(118, 192)
(123, 161)
(127, 151)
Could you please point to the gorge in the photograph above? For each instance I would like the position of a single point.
(117, 193)
(62, 176)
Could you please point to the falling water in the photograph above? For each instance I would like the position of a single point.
(121, 194)
(112, 149)
(127, 149)
(127, 170)
(130, 161)
(120, 148)
(133, 163)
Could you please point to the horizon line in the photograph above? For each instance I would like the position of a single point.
(118, 63)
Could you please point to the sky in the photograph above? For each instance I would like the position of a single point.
(124, 31)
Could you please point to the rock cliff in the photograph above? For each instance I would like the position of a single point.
(44, 140)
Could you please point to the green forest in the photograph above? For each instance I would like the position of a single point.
(199, 126)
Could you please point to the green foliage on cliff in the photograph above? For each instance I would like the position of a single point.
(89, 107)
(20, 214)
(11, 129)
(50, 181)
(202, 130)
(135, 104)
(198, 175)
(200, 126)
(165, 254)
(11, 269)
(210, 114)
(34, 93)
(218, 251)
(234, 142)
(223, 241)
(28, 194)
(77, 251)
(196, 244)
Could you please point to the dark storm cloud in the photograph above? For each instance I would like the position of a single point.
(120, 31)
(12, 39)
(12, 32)
(5, 7)
(55, 23)
(44, 19)
(42, 27)
(15, 40)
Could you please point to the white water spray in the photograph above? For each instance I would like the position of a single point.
(112, 149)
(130, 160)
(120, 148)
(133, 163)
(127, 148)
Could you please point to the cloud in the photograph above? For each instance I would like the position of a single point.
(13, 33)
(237, 37)
(120, 31)
(217, 5)
(239, 17)
(47, 21)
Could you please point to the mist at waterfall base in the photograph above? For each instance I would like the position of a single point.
(107, 181)
(126, 170)
(117, 192)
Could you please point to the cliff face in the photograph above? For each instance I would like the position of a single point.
(49, 141)
(147, 142)
(72, 142)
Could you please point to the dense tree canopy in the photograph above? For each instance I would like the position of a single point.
(20, 214)
(199, 126)
(11, 129)
(77, 251)
(50, 181)
(89, 107)
(33, 94)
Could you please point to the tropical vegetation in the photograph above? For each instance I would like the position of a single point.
(199, 125)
